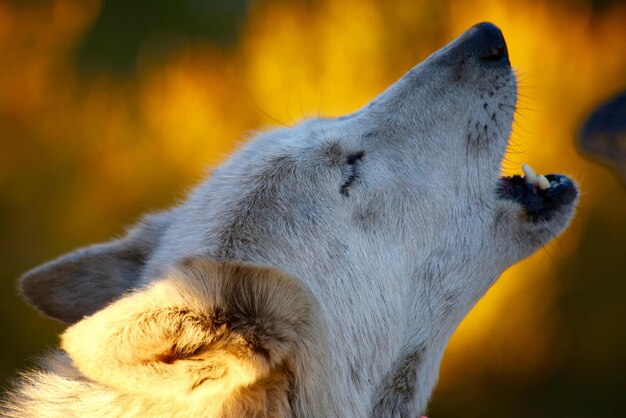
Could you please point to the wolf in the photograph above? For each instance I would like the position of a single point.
(319, 272)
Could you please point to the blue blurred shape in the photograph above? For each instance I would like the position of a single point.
(603, 135)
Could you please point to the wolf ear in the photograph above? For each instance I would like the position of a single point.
(84, 281)
(205, 330)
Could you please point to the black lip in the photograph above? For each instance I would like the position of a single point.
(540, 204)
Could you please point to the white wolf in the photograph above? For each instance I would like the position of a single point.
(318, 273)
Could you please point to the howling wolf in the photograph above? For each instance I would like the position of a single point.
(318, 273)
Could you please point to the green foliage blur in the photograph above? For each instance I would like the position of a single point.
(123, 28)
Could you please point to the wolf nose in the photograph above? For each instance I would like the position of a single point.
(487, 42)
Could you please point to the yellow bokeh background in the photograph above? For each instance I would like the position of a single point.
(82, 156)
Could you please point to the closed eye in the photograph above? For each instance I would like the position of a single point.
(350, 171)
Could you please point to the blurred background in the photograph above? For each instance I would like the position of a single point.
(109, 109)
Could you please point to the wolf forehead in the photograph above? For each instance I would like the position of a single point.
(286, 181)
(316, 164)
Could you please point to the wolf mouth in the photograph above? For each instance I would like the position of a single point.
(541, 196)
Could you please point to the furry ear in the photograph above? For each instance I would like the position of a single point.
(84, 281)
(207, 330)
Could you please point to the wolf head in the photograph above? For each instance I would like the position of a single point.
(393, 220)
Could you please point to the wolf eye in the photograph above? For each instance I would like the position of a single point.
(350, 171)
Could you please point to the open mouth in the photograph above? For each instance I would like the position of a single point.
(541, 196)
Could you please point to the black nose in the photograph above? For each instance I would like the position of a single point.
(486, 41)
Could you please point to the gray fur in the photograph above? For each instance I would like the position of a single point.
(80, 283)
(398, 389)
(387, 266)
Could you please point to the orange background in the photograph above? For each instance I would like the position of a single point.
(83, 155)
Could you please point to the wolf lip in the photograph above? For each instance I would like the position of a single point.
(539, 203)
